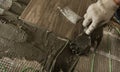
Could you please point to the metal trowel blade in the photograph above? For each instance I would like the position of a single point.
(70, 15)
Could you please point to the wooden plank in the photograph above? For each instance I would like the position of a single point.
(44, 13)
(115, 50)
(84, 64)
(100, 63)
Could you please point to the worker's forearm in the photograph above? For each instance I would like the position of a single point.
(117, 2)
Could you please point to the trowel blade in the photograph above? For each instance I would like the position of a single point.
(70, 15)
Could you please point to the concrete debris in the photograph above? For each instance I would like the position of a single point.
(5, 4)
(12, 33)
(17, 8)
(15, 65)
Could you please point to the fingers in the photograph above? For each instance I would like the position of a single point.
(91, 27)
(87, 20)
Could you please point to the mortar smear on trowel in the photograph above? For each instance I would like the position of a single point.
(70, 15)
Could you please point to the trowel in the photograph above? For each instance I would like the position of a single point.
(79, 45)
(82, 42)
(70, 15)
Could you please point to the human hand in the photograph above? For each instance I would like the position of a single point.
(98, 14)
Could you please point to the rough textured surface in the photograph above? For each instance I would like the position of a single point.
(19, 65)
(42, 48)
(12, 33)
